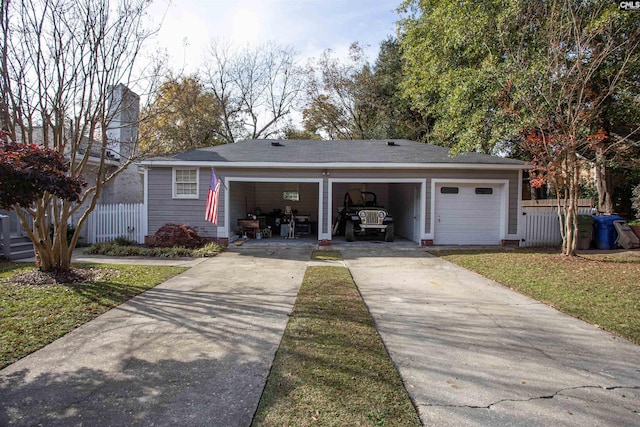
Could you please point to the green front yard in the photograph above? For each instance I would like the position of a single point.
(33, 315)
(602, 289)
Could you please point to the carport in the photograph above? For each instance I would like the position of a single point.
(402, 197)
(269, 200)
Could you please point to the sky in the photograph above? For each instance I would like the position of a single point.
(310, 26)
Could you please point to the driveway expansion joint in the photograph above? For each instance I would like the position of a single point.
(550, 396)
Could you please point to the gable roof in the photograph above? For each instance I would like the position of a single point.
(335, 153)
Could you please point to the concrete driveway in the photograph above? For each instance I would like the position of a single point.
(474, 353)
(193, 351)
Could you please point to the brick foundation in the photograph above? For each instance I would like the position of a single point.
(427, 242)
(324, 242)
(224, 241)
(510, 242)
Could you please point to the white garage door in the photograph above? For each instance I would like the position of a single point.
(467, 214)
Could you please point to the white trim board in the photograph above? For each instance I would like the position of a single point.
(336, 165)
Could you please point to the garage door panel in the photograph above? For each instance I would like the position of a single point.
(467, 217)
(467, 239)
(470, 227)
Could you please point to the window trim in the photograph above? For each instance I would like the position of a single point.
(174, 186)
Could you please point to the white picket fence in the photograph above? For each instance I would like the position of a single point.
(541, 225)
(108, 222)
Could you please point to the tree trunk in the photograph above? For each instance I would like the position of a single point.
(603, 183)
(50, 254)
(573, 185)
(568, 204)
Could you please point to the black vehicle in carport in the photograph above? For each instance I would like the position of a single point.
(360, 215)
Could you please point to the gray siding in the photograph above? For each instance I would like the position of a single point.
(163, 208)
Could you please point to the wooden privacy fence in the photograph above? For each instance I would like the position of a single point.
(541, 225)
(108, 222)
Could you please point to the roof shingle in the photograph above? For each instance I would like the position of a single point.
(336, 151)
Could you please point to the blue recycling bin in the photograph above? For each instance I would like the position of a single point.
(604, 232)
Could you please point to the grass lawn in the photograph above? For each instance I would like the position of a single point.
(600, 289)
(32, 316)
(331, 368)
(326, 255)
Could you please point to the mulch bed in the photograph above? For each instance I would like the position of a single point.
(58, 277)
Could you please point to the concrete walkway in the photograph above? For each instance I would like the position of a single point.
(80, 256)
(474, 353)
(193, 351)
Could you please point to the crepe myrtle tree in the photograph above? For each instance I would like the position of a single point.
(60, 61)
(29, 173)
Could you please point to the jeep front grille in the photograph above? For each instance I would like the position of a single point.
(372, 217)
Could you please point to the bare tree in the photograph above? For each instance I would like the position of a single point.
(61, 61)
(255, 88)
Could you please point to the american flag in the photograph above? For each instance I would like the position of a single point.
(212, 199)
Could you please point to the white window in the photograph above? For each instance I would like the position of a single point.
(185, 183)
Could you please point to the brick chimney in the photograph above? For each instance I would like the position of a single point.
(122, 131)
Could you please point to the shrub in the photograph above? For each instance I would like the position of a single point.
(172, 235)
(113, 249)
(208, 250)
(124, 241)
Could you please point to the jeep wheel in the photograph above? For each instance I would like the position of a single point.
(349, 232)
(388, 233)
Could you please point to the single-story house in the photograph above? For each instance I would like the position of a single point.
(435, 198)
